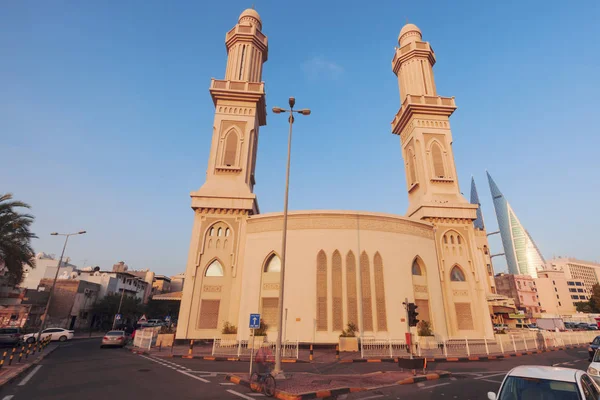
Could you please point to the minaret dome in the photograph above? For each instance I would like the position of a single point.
(409, 33)
(251, 16)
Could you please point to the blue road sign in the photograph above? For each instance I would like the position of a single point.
(117, 317)
(168, 318)
(254, 321)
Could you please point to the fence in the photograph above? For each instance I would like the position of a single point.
(456, 347)
(144, 338)
(240, 348)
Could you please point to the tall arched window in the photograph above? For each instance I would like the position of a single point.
(412, 173)
(379, 293)
(214, 269)
(438, 161)
(273, 264)
(457, 275)
(351, 288)
(231, 143)
(337, 308)
(416, 268)
(321, 291)
(365, 276)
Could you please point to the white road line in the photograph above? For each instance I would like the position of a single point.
(10, 396)
(194, 376)
(258, 395)
(243, 396)
(432, 386)
(489, 376)
(30, 375)
(420, 384)
(227, 384)
(452, 378)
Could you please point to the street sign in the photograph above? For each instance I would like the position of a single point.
(254, 321)
(168, 318)
(143, 319)
(117, 317)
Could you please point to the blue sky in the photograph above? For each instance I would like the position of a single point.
(105, 115)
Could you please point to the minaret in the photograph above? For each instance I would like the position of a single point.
(211, 293)
(240, 110)
(432, 183)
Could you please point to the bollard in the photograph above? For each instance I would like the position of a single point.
(191, 349)
(21, 354)
(12, 355)
(3, 357)
(310, 356)
(28, 350)
(337, 351)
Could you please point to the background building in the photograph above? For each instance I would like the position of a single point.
(161, 284)
(45, 268)
(71, 302)
(522, 289)
(522, 255)
(573, 268)
(557, 294)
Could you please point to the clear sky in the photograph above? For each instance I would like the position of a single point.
(105, 115)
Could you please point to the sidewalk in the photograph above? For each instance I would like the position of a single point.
(14, 371)
(310, 386)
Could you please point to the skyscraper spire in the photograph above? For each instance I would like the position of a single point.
(522, 254)
(478, 223)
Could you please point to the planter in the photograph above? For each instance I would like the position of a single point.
(427, 342)
(348, 344)
(165, 339)
(257, 342)
(229, 337)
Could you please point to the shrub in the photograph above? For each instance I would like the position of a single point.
(350, 331)
(424, 328)
(228, 329)
(262, 331)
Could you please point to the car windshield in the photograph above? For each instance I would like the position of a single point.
(520, 388)
(115, 333)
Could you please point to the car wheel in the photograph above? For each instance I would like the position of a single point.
(31, 340)
(62, 339)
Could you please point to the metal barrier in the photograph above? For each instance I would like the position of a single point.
(465, 347)
(143, 338)
(243, 348)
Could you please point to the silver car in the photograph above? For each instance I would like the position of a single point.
(115, 338)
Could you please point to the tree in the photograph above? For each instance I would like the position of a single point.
(105, 309)
(593, 304)
(583, 306)
(15, 238)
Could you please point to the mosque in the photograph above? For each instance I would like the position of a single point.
(341, 266)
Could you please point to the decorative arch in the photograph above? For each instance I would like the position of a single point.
(457, 274)
(418, 268)
(272, 263)
(351, 288)
(411, 164)
(337, 308)
(365, 276)
(214, 269)
(231, 148)
(379, 292)
(321, 291)
(213, 230)
(437, 156)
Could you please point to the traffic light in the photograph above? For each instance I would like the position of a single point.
(412, 314)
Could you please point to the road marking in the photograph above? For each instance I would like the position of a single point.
(372, 397)
(489, 376)
(30, 375)
(227, 384)
(452, 378)
(492, 381)
(432, 386)
(243, 396)
(10, 396)
(194, 376)
(262, 395)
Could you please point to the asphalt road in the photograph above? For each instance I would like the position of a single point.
(81, 370)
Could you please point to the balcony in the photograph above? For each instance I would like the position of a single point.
(429, 105)
(256, 87)
(248, 31)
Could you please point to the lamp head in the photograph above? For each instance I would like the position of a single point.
(81, 232)
(54, 233)
(292, 102)
(278, 110)
(304, 111)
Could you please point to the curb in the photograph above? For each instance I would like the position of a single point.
(18, 373)
(320, 394)
(207, 358)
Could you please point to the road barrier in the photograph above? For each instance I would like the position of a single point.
(466, 347)
(144, 338)
(241, 348)
(3, 358)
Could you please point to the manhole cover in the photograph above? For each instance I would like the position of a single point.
(321, 382)
(143, 370)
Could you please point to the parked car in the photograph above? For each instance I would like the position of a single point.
(115, 338)
(541, 382)
(60, 334)
(594, 345)
(594, 367)
(156, 322)
(500, 327)
(11, 336)
(529, 327)
(592, 327)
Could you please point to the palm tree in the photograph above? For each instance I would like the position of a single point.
(15, 238)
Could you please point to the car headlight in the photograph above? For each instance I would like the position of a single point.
(592, 371)
(590, 349)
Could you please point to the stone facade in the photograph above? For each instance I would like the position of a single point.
(341, 267)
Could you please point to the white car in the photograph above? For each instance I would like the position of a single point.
(60, 334)
(541, 382)
(594, 368)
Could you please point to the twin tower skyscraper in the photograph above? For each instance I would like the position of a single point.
(522, 254)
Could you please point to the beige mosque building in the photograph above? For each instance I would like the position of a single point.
(339, 264)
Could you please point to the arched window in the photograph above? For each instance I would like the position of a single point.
(227, 232)
(231, 144)
(220, 232)
(438, 161)
(379, 293)
(412, 173)
(456, 274)
(445, 239)
(214, 269)
(321, 291)
(273, 264)
(211, 232)
(451, 239)
(458, 240)
(416, 268)
(351, 288)
(337, 306)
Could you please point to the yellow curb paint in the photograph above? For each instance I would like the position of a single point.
(491, 357)
(354, 390)
(451, 359)
(232, 359)
(473, 358)
(323, 393)
(373, 361)
(406, 381)
(431, 377)
(346, 361)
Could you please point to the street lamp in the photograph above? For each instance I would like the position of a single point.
(278, 110)
(66, 235)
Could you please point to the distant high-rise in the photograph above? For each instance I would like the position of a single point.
(478, 223)
(522, 255)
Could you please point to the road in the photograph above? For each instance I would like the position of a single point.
(80, 369)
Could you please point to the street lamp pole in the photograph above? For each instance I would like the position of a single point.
(66, 235)
(119, 310)
(278, 110)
